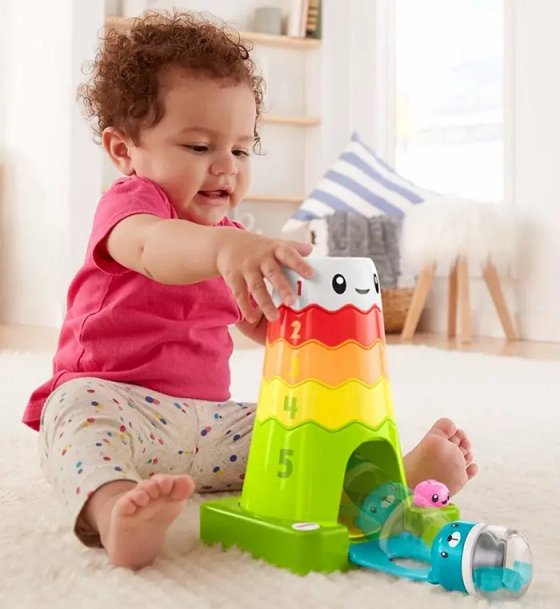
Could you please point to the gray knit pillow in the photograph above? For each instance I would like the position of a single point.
(350, 234)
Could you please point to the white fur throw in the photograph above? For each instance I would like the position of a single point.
(445, 227)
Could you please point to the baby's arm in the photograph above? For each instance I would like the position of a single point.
(180, 252)
(173, 252)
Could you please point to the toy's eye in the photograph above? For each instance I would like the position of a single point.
(454, 525)
(339, 284)
(444, 554)
(435, 498)
(454, 539)
(376, 282)
(373, 510)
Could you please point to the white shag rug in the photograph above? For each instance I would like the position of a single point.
(510, 407)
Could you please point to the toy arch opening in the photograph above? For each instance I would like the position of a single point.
(374, 465)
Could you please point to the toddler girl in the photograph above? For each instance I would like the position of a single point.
(138, 411)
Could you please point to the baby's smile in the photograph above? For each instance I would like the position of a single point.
(213, 197)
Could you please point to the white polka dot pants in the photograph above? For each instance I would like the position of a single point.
(95, 431)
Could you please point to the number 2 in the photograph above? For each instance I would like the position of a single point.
(285, 461)
(296, 327)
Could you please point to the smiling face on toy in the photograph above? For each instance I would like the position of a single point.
(379, 505)
(447, 555)
(337, 282)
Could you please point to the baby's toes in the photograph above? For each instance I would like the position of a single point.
(458, 437)
(183, 488)
(150, 487)
(472, 470)
(468, 457)
(126, 506)
(164, 483)
(444, 427)
(140, 497)
(465, 441)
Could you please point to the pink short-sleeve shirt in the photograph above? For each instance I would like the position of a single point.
(125, 327)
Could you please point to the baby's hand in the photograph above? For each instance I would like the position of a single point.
(244, 260)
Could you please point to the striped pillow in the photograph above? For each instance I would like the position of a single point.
(358, 182)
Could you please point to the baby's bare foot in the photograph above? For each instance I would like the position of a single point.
(443, 454)
(140, 518)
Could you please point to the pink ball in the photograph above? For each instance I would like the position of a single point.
(431, 493)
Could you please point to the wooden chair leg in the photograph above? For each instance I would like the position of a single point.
(418, 302)
(464, 301)
(492, 280)
(452, 311)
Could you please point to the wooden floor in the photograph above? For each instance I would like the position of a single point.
(484, 344)
(44, 339)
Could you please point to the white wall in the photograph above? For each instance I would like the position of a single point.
(532, 100)
(51, 169)
(536, 165)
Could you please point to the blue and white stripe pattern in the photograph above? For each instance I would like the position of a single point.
(358, 182)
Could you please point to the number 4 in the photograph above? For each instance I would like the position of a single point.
(290, 404)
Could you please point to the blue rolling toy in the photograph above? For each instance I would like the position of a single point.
(486, 560)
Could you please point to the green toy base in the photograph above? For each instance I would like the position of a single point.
(311, 547)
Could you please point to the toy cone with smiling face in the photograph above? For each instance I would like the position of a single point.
(324, 434)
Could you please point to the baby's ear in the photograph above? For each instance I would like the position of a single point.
(118, 145)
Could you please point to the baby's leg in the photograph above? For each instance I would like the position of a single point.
(133, 518)
(99, 440)
(443, 454)
(225, 431)
(224, 438)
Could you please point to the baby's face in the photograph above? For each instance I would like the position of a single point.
(336, 282)
(199, 152)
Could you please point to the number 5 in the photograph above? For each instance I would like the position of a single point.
(285, 461)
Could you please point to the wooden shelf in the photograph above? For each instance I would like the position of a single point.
(257, 38)
(287, 42)
(258, 198)
(116, 23)
(295, 121)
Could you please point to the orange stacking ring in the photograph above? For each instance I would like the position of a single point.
(330, 366)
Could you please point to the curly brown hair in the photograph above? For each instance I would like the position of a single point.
(123, 89)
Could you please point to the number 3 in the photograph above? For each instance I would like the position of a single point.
(285, 461)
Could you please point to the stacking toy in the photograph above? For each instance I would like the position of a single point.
(325, 488)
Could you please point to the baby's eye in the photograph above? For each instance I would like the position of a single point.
(197, 147)
(240, 153)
